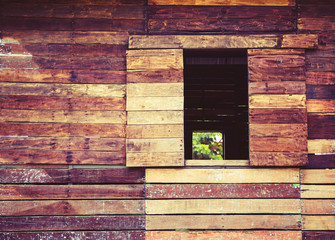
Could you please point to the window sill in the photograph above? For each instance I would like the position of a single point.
(239, 163)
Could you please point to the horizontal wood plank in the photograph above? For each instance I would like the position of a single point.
(222, 2)
(317, 191)
(318, 223)
(175, 145)
(277, 101)
(155, 76)
(155, 89)
(320, 105)
(317, 235)
(280, 115)
(155, 131)
(274, 87)
(212, 163)
(278, 130)
(321, 161)
(317, 207)
(154, 103)
(321, 146)
(155, 117)
(321, 126)
(278, 158)
(320, 92)
(300, 41)
(277, 144)
(140, 159)
(320, 78)
(315, 176)
(222, 175)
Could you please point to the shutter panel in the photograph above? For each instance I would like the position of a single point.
(155, 104)
(277, 107)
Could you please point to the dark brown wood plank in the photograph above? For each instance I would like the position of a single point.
(258, 74)
(71, 223)
(36, 23)
(61, 157)
(167, 191)
(320, 64)
(75, 175)
(124, 235)
(320, 92)
(93, 24)
(282, 87)
(320, 78)
(321, 161)
(62, 130)
(277, 116)
(316, 10)
(321, 126)
(317, 235)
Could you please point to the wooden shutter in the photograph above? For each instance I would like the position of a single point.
(277, 107)
(155, 103)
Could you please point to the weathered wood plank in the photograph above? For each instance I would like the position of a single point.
(161, 191)
(323, 64)
(277, 144)
(317, 207)
(160, 222)
(63, 90)
(155, 117)
(320, 92)
(222, 175)
(71, 223)
(277, 101)
(278, 130)
(155, 145)
(271, 115)
(320, 105)
(203, 41)
(154, 103)
(36, 23)
(204, 235)
(300, 41)
(318, 223)
(321, 161)
(98, 24)
(62, 103)
(258, 74)
(320, 78)
(125, 235)
(62, 76)
(222, 206)
(321, 126)
(223, 2)
(154, 131)
(313, 235)
(316, 24)
(321, 146)
(278, 158)
(155, 159)
(155, 76)
(96, 144)
(274, 60)
(155, 89)
(317, 191)
(212, 163)
(284, 87)
(71, 207)
(313, 176)
(61, 157)
(90, 2)
(67, 116)
(62, 130)
(74, 175)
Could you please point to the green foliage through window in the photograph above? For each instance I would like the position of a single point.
(207, 145)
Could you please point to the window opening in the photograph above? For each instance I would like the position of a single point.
(216, 104)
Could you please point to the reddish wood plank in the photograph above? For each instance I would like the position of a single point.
(278, 158)
(94, 24)
(47, 192)
(278, 130)
(320, 78)
(320, 64)
(321, 161)
(317, 235)
(277, 116)
(36, 23)
(320, 92)
(71, 223)
(61, 103)
(117, 235)
(321, 126)
(257, 74)
(277, 144)
(62, 130)
(162, 191)
(62, 157)
(74, 175)
(284, 87)
(155, 76)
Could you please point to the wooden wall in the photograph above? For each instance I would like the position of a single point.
(63, 116)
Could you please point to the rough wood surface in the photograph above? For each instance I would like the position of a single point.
(318, 223)
(314, 176)
(317, 207)
(277, 144)
(321, 161)
(222, 2)
(317, 235)
(278, 130)
(222, 175)
(321, 146)
(155, 76)
(278, 158)
(155, 89)
(212, 163)
(277, 101)
(321, 126)
(274, 87)
(154, 103)
(155, 145)
(155, 131)
(320, 105)
(159, 222)
(148, 159)
(320, 92)
(155, 117)
(222, 206)
(317, 191)
(198, 191)
(320, 78)
(273, 115)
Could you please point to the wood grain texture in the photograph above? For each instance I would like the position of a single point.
(159, 222)
(321, 146)
(317, 235)
(314, 176)
(272, 115)
(155, 117)
(155, 131)
(320, 78)
(277, 144)
(278, 130)
(155, 76)
(300, 41)
(222, 2)
(321, 126)
(321, 161)
(155, 145)
(222, 175)
(71, 223)
(148, 159)
(198, 191)
(234, 235)
(218, 163)
(318, 223)
(317, 191)
(222, 206)
(317, 207)
(274, 87)
(71, 207)
(155, 103)
(277, 101)
(278, 158)
(320, 105)
(320, 92)
(155, 89)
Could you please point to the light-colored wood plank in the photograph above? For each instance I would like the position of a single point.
(155, 145)
(317, 191)
(240, 163)
(64, 90)
(317, 176)
(277, 87)
(277, 101)
(321, 146)
(155, 89)
(269, 52)
(221, 235)
(160, 222)
(318, 207)
(155, 159)
(278, 130)
(203, 41)
(155, 117)
(62, 116)
(318, 223)
(224, 2)
(222, 175)
(320, 105)
(155, 131)
(154, 103)
(300, 41)
(222, 206)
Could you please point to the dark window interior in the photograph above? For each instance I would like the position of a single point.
(216, 98)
